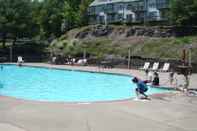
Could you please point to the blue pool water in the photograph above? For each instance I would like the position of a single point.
(44, 84)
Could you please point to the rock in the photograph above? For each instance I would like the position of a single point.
(130, 32)
(139, 32)
(101, 31)
(83, 34)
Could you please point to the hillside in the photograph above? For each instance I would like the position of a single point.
(149, 42)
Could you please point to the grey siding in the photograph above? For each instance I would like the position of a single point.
(128, 11)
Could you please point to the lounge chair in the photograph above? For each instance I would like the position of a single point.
(166, 67)
(146, 66)
(70, 61)
(82, 62)
(155, 66)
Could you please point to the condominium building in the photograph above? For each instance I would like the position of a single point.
(127, 11)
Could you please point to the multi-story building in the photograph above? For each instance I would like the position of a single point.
(127, 11)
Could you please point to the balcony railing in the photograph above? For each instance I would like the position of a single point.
(162, 5)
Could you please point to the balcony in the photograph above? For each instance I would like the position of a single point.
(110, 9)
(91, 11)
(162, 5)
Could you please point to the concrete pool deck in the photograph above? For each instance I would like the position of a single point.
(165, 112)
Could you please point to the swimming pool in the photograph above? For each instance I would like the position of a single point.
(43, 84)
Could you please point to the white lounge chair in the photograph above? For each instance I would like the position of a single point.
(155, 66)
(146, 66)
(166, 67)
(82, 62)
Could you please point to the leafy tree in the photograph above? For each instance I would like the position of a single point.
(36, 9)
(76, 13)
(74, 4)
(71, 17)
(16, 19)
(83, 7)
(29, 18)
(51, 17)
(184, 12)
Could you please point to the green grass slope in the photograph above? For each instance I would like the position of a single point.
(117, 44)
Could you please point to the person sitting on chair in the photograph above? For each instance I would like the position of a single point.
(20, 60)
(155, 79)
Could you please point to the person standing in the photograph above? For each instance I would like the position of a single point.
(171, 77)
(150, 76)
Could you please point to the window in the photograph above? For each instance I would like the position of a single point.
(152, 15)
(129, 7)
(110, 18)
(120, 17)
(152, 3)
(120, 7)
(162, 3)
(135, 6)
(140, 16)
(91, 10)
(129, 18)
(101, 19)
(141, 6)
(110, 8)
(100, 9)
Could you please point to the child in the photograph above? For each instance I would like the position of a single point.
(141, 88)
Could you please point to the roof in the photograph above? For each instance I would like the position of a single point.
(101, 2)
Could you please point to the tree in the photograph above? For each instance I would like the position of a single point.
(184, 12)
(36, 10)
(75, 14)
(83, 7)
(74, 4)
(15, 19)
(51, 17)
(48, 18)
(71, 17)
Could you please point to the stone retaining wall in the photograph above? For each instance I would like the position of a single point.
(128, 31)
